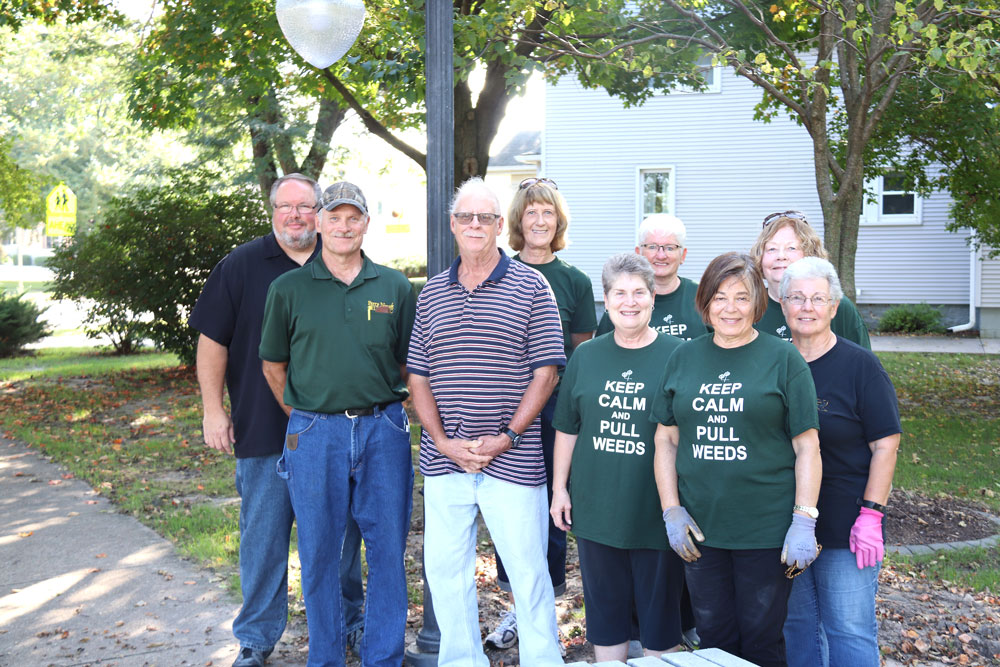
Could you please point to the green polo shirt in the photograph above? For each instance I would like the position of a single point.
(344, 344)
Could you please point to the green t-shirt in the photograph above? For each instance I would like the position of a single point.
(574, 297)
(847, 323)
(737, 411)
(344, 344)
(673, 313)
(605, 399)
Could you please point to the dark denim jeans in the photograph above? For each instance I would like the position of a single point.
(339, 466)
(740, 598)
(265, 528)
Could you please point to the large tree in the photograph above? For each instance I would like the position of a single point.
(836, 67)
(21, 202)
(230, 54)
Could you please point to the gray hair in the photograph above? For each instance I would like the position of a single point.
(475, 186)
(630, 264)
(811, 267)
(317, 191)
(662, 223)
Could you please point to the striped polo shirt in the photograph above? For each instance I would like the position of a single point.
(478, 350)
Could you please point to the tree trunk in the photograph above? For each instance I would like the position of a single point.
(841, 218)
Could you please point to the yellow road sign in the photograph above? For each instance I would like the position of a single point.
(60, 211)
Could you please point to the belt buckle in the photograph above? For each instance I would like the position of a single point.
(347, 413)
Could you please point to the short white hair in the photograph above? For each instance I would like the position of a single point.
(811, 267)
(662, 223)
(475, 186)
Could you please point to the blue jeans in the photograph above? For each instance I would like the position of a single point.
(740, 598)
(350, 578)
(516, 517)
(555, 550)
(338, 466)
(265, 528)
(831, 613)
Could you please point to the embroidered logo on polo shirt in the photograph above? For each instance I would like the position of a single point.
(380, 307)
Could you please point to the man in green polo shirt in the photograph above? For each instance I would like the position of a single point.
(333, 346)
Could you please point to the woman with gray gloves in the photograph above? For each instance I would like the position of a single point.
(737, 465)
(831, 611)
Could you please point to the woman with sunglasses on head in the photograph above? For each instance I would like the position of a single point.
(538, 219)
(831, 611)
(786, 238)
(737, 465)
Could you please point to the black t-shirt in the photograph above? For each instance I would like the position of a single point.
(230, 311)
(857, 405)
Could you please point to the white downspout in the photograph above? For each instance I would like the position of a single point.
(972, 290)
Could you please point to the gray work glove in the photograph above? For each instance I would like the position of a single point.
(800, 542)
(680, 527)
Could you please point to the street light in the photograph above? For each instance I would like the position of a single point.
(321, 31)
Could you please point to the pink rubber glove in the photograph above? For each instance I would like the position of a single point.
(866, 538)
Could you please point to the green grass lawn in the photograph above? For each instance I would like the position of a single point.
(131, 427)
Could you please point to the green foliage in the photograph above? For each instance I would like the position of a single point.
(63, 111)
(911, 318)
(16, 14)
(413, 266)
(146, 261)
(19, 324)
(21, 201)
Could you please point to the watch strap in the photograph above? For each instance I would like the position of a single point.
(872, 505)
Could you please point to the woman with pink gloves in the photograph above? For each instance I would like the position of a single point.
(831, 610)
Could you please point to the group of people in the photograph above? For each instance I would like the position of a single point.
(720, 483)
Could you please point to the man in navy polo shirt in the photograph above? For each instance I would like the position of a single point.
(228, 315)
(333, 344)
(486, 347)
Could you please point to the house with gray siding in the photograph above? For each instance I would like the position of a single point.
(702, 157)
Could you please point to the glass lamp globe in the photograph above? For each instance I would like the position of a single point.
(321, 31)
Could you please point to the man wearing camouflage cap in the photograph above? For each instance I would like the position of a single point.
(333, 345)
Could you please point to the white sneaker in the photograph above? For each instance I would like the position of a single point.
(505, 634)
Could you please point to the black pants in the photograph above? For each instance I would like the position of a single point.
(740, 599)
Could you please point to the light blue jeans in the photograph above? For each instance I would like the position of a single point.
(831, 614)
(517, 518)
(362, 467)
(265, 528)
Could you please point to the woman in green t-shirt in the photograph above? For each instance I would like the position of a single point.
(737, 465)
(786, 238)
(603, 485)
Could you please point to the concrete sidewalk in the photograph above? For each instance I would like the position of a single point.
(84, 585)
(945, 344)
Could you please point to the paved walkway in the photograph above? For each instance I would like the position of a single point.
(84, 585)
(946, 344)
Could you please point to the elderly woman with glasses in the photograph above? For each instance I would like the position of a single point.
(661, 239)
(604, 489)
(786, 238)
(538, 219)
(831, 611)
(737, 465)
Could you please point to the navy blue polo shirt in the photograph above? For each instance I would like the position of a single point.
(230, 311)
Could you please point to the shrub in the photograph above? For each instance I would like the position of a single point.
(412, 267)
(145, 261)
(911, 318)
(19, 324)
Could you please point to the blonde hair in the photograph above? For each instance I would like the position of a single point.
(537, 193)
(812, 244)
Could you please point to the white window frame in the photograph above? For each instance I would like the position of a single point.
(873, 215)
(639, 194)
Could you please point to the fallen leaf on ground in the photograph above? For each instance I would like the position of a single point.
(101, 556)
(28, 533)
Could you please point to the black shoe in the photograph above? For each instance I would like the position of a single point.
(249, 657)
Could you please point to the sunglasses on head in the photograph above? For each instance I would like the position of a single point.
(793, 215)
(528, 182)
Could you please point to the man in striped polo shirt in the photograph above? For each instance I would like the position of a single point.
(483, 359)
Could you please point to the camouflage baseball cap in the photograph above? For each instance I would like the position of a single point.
(344, 193)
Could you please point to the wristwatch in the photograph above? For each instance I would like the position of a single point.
(812, 512)
(515, 438)
(872, 505)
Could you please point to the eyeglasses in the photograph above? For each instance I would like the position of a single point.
(793, 571)
(528, 182)
(668, 248)
(817, 300)
(485, 219)
(793, 215)
(302, 209)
